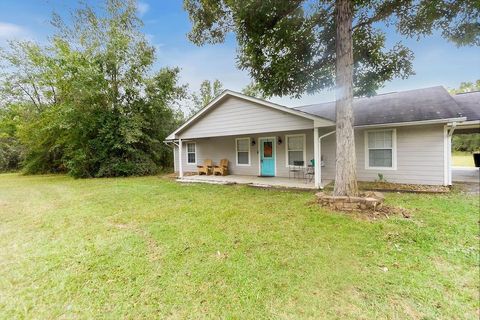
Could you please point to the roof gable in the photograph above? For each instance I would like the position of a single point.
(232, 113)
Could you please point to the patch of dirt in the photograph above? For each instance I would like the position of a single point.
(385, 212)
(400, 187)
(169, 176)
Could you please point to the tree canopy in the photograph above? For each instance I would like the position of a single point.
(90, 102)
(288, 47)
(208, 91)
(466, 87)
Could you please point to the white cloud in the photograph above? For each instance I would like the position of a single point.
(12, 31)
(142, 8)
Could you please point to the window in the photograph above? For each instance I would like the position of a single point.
(243, 151)
(295, 145)
(380, 149)
(191, 153)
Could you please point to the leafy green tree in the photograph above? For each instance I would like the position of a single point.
(254, 90)
(99, 109)
(297, 47)
(208, 91)
(11, 150)
(469, 142)
(466, 87)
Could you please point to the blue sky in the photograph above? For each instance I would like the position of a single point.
(437, 62)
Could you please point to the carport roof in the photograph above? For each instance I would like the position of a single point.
(469, 104)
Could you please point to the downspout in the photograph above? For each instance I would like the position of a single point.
(320, 155)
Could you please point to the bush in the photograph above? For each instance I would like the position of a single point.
(466, 142)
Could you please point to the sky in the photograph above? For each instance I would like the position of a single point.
(166, 24)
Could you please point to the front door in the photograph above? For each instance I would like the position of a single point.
(267, 157)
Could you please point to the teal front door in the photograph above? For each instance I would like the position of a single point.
(267, 157)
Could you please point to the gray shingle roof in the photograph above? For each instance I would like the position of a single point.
(469, 104)
(406, 106)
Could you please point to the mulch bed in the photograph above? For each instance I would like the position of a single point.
(399, 187)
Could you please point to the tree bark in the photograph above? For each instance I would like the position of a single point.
(345, 171)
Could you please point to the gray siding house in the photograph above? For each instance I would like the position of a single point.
(404, 136)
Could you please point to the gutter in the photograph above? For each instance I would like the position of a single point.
(413, 123)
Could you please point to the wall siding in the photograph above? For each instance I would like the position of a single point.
(420, 151)
(236, 116)
(419, 155)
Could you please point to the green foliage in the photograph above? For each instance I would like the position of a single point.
(466, 142)
(254, 90)
(288, 47)
(10, 148)
(381, 178)
(208, 91)
(97, 108)
(466, 87)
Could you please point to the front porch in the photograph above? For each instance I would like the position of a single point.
(275, 182)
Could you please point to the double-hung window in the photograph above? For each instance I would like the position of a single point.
(191, 153)
(380, 149)
(243, 151)
(295, 145)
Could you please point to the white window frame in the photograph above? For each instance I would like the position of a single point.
(394, 150)
(304, 148)
(236, 153)
(186, 151)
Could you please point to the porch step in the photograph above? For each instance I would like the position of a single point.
(205, 181)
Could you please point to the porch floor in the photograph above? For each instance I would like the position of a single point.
(253, 181)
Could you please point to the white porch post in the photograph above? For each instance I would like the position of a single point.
(446, 166)
(317, 158)
(180, 163)
(449, 152)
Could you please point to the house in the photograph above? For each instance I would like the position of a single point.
(404, 136)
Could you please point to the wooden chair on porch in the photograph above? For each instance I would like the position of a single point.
(222, 168)
(206, 168)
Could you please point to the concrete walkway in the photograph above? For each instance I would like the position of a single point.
(465, 174)
(256, 181)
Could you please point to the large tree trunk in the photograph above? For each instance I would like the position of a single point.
(345, 172)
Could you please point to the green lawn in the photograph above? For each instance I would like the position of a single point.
(462, 159)
(152, 248)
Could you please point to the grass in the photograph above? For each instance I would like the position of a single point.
(152, 248)
(462, 159)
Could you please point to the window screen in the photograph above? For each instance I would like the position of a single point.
(243, 151)
(380, 149)
(295, 151)
(191, 153)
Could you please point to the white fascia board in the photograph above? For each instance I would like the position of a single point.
(472, 124)
(412, 123)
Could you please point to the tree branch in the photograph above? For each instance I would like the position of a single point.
(29, 95)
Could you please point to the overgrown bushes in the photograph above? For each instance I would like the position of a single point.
(88, 103)
(466, 142)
